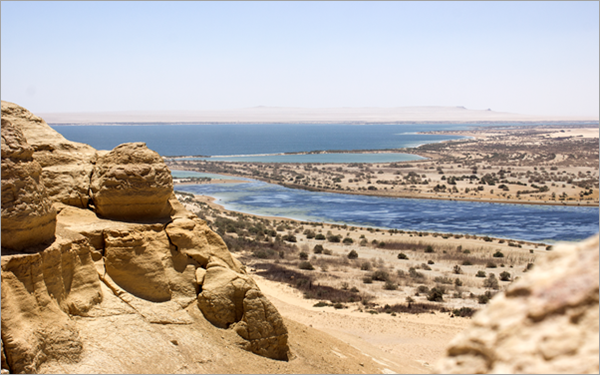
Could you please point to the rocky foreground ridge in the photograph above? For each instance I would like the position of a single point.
(103, 270)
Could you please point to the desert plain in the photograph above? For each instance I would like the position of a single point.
(400, 296)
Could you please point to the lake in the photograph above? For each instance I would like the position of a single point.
(255, 139)
(535, 223)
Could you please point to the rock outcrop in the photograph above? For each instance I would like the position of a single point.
(28, 217)
(132, 260)
(545, 322)
(131, 182)
(66, 166)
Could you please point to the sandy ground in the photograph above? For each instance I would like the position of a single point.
(394, 342)
(401, 343)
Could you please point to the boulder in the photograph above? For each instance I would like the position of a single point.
(545, 322)
(66, 166)
(232, 300)
(28, 218)
(131, 182)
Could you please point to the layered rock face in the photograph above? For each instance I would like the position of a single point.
(131, 182)
(28, 217)
(155, 271)
(546, 322)
(67, 166)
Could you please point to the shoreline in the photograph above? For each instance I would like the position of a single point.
(211, 202)
(401, 196)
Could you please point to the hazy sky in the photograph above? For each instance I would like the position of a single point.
(521, 57)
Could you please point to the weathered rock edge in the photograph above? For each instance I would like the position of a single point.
(157, 262)
(28, 217)
(545, 322)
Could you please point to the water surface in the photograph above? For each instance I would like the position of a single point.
(253, 139)
(522, 222)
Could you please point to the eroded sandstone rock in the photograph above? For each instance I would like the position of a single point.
(545, 322)
(131, 182)
(28, 217)
(66, 166)
(152, 261)
(39, 292)
(233, 299)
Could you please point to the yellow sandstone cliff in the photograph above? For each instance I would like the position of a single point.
(123, 278)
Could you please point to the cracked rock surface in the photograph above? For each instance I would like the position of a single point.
(155, 291)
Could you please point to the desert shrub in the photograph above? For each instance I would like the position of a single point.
(365, 266)
(318, 249)
(321, 304)
(491, 265)
(363, 242)
(430, 262)
(320, 237)
(381, 244)
(422, 289)
(467, 263)
(380, 275)
(505, 276)
(429, 249)
(402, 256)
(264, 253)
(354, 289)
(306, 266)
(367, 280)
(334, 238)
(327, 252)
(338, 306)
(348, 240)
(457, 270)
(390, 285)
(412, 272)
(457, 282)
(491, 282)
(303, 255)
(309, 234)
(443, 280)
(352, 255)
(498, 254)
(425, 267)
(464, 312)
(485, 298)
(435, 295)
(480, 274)
(467, 251)
(487, 239)
(528, 267)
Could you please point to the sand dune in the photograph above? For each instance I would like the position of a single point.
(308, 115)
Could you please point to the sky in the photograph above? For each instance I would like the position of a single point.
(539, 58)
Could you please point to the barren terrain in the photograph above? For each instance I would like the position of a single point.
(396, 309)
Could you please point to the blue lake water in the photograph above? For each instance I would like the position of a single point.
(221, 140)
(522, 222)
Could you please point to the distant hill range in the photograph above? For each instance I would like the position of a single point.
(365, 115)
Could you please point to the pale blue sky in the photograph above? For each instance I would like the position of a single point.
(521, 57)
